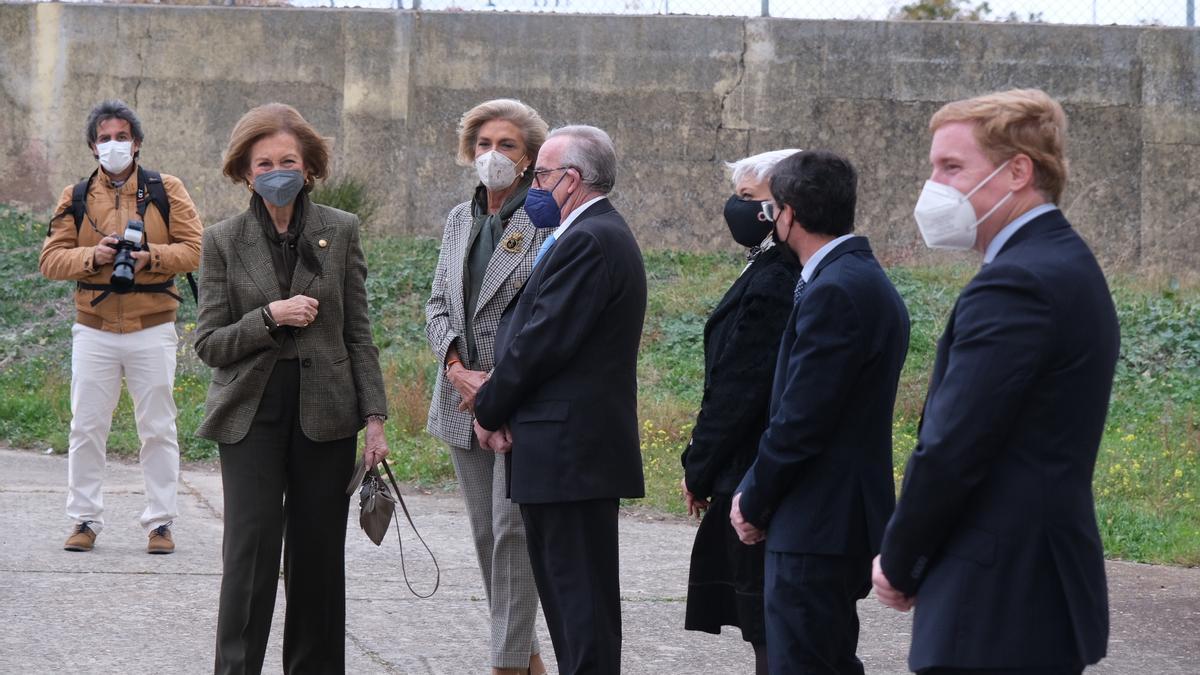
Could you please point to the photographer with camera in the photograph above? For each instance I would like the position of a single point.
(122, 235)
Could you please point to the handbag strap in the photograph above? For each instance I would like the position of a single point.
(403, 568)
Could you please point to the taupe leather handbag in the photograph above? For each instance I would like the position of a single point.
(376, 506)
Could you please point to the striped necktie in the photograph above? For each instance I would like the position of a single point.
(542, 251)
(800, 285)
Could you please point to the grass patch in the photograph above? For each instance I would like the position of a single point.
(1147, 473)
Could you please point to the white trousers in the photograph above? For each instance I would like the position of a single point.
(146, 360)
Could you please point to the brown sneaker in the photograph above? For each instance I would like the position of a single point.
(83, 538)
(160, 540)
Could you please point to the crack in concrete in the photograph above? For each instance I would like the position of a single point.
(148, 37)
(737, 82)
(373, 655)
(199, 497)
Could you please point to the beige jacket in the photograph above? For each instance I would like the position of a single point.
(67, 255)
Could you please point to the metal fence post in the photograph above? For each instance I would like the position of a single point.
(766, 7)
(1191, 13)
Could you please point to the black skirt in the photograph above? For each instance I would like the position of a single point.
(725, 584)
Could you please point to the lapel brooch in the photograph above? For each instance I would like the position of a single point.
(512, 243)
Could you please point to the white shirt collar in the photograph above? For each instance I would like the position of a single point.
(810, 267)
(1006, 233)
(561, 229)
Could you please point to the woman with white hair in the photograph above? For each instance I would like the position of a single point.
(741, 340)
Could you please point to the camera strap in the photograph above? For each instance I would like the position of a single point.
(164, 287)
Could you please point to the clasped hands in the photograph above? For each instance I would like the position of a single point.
(746, 531)
(499, 441)
(886, 593)
(298, 311)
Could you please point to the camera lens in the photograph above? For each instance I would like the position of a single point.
(122, 276)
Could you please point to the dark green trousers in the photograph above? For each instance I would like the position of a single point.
(284, 491)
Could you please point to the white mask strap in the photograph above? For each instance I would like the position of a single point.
(985, 180)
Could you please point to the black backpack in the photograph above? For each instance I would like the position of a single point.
(150, 191)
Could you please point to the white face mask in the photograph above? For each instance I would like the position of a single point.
(496, 171)
(945, 215)
(115, 156)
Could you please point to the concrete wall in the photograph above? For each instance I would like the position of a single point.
(680, 95)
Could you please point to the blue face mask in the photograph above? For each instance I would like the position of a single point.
(541, 208)
(279, 187)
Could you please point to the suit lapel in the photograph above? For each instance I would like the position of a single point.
(517, 240)
(256, 259)
(315, 232)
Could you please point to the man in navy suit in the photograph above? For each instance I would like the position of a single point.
(821, 488)
(994, 539)
(563, 396)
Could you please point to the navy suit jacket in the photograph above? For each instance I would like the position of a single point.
(995, 531)
(565, 379)
(822, 482)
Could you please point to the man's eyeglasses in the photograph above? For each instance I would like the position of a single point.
(539, 176)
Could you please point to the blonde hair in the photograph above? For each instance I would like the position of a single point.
(533, 128)
(268, 120)
(1018, 121)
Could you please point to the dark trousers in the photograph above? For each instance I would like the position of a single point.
(283, 490)
(573, 550)
(812, 622)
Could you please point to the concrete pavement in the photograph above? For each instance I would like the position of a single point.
(118, 610)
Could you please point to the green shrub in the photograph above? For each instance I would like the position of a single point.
(348, 194)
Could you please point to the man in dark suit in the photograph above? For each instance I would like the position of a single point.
(563, 395)
(995, 538)
(821, 488)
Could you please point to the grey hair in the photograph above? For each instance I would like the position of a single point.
(591, 152)
(760, 165)
(112, 109)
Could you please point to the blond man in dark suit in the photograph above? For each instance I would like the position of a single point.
(283, 322)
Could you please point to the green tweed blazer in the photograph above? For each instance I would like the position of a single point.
(340, 381)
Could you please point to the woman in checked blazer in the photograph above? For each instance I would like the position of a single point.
(488, 249)
(283, 322)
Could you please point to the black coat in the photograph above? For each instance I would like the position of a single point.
(565, 379)
(741, 342)
(995, 531)
(822, 483)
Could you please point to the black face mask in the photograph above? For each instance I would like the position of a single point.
(746, 221)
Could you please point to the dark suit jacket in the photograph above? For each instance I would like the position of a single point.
(995, 531)
(823, 483)
(565, 379)
(340, 380)
(741, 344)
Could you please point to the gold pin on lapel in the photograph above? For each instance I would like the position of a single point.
(322, 243)
(513, 242)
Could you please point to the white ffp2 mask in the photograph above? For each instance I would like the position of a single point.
(946, 218)
(115, 156)
(496, 171)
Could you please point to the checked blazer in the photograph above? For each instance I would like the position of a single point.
(445, 313)
(340, 381)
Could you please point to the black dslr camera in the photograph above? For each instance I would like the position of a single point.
(123, 263)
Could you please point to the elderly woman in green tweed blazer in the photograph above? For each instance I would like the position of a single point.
(487, 253)
(283, 322)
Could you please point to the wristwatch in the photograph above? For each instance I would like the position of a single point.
(268, 319)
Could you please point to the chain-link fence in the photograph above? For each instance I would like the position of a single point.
(1097, 12)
